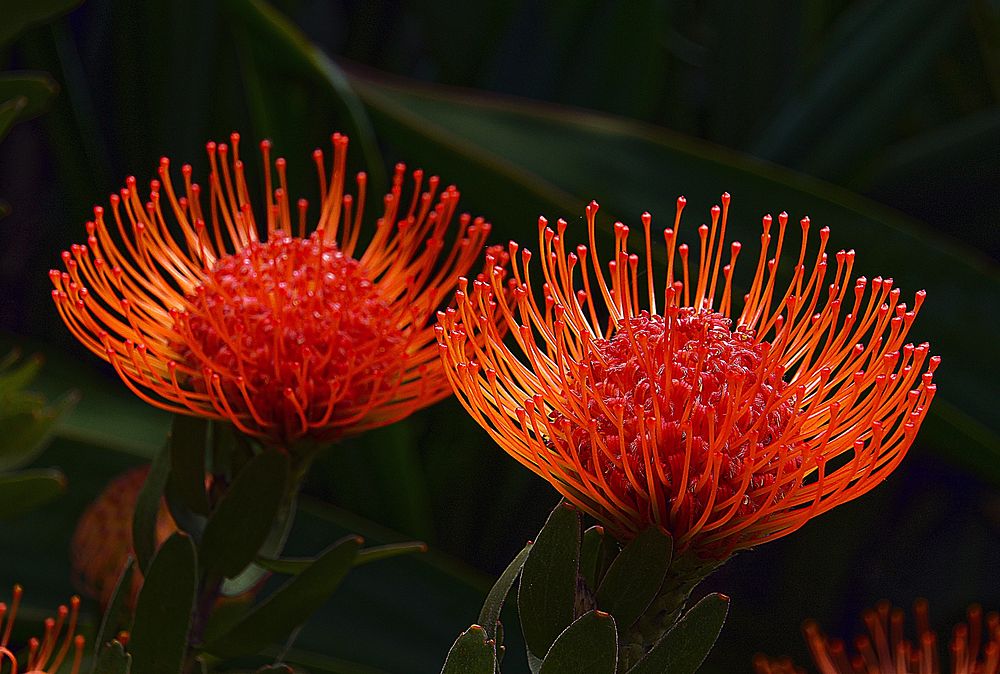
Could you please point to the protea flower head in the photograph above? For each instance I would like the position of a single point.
(974, 646)
(102, 541)
(297, 337)
(657, 398)
(59, 645)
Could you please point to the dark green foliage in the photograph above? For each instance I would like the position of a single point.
(590, 644)
(472, 653)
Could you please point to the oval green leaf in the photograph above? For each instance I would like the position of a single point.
(546, 597)
(147, 508)
(589, 645)
(635, 577)
(685, 646)
(158, 639)
(472, 653)
(244, 517)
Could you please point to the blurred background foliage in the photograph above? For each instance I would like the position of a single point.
(880, 119)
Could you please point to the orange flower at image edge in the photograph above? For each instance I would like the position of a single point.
(296, 338)
(48, 654)
(974, 647)
(659, 399)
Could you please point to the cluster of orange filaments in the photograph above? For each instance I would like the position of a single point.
(296, 337)
(725, 428)
(102, 541)
(48, 654)
(974, 647)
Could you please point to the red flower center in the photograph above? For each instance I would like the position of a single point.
(703, 399)
(295, 325)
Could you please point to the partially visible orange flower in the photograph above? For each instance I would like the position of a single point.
(974, 647)
(48, 654)
(301, 336)
(655, 398)
(102, 542)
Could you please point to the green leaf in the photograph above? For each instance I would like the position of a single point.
(489, 617)
(291, 604)
(589, 645)
(147, 508)
(19, 15)
(292, 566)
(635, 577)
(546, 597)
(245, 516)
(158, 638)
(26, 490)
(116, 616)
(597, 551)
(24, 435)
(684, 647)
(112, 659)
(188, 438)
(10, 110)
(472, 653)
(38, 89)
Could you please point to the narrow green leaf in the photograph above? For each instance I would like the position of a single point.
(597, 551)
(589, 645)
(188, 438)
(244, 517)
(472, 653)
(18, 15)
(292, 566)
(291, 604)
(26, 490)
(158, 638)
(116, 616)
(147, 507)
(546, 597)
(635, 577)
(10, 110)
(684, 647)
(38, 89)
(112, 659)
(489, 617)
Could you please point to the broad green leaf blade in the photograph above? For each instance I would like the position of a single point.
(244, 517)
(158, 639)
(38, 89)
(147, 508)
(522, 159)
(116, 616)
(188, 438)
(489, 617)
(472, 653)
(546, 597)
(26, 490)
(112, 660)
(292, 566)
(589, 645)
(635, 577)
(291, 604)
(684, 647)
(19, 15)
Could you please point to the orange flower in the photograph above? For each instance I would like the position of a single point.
(725, 428)
(294, 338)
(884, 648)
(102, 542)
(45, 655)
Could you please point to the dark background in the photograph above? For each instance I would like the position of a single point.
(879, 119)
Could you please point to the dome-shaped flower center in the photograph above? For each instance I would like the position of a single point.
(696, 397)
(296, 327)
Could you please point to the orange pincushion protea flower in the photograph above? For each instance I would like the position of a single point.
(725, 428)
(294, 338)
(974, 647)
(48, 654)
(102, 541)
